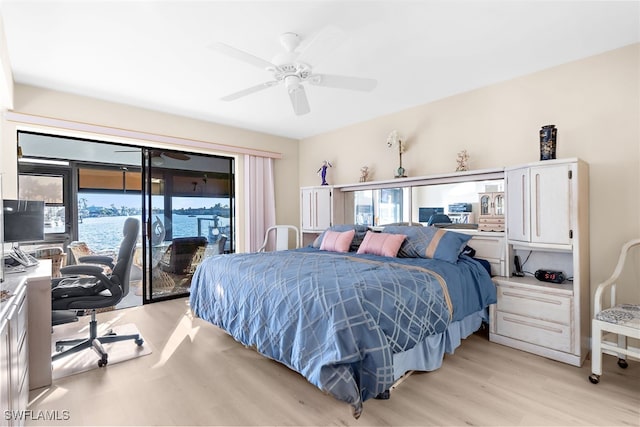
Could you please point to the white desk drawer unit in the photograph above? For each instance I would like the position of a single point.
(23, 351)
(19, 355)
(25, 339)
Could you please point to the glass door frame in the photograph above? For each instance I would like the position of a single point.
(150, 259)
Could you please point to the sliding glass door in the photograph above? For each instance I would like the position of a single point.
(189, 206)
(185, 202)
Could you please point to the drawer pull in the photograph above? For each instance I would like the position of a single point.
(528, 297)
(533, 325)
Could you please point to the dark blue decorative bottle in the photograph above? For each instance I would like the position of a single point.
(548, 135)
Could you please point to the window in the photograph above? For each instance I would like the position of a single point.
(48, 186)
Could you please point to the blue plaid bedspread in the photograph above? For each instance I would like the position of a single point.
(335, 318)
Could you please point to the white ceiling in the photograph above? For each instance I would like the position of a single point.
(158, 55)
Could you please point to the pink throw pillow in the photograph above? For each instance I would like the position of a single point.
(337, 242)
(383, 244)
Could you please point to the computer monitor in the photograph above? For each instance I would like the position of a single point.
(23, 220)
(425, 213)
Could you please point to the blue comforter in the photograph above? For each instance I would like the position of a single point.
(337, 318)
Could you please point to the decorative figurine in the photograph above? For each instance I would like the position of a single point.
(463, 161)
(364, 173)
(392, 140)
(323, 171)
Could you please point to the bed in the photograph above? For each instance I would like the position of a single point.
(354, 311)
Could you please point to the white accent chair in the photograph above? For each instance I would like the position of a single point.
(621, 319)
(281, 235)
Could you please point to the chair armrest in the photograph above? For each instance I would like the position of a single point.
(83, 269)
(92, 270)
(97, 259)
(611, 281)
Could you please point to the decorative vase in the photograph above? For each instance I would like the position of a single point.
(548, 135)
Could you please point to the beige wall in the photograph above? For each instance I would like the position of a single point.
(42, 102)
(6, 76)
(594, 102)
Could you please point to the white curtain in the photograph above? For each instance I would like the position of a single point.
(260, 204)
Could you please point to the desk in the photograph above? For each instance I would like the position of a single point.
(37, 281)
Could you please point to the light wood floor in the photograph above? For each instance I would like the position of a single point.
(198, 375)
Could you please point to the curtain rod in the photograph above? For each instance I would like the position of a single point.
(125, 133)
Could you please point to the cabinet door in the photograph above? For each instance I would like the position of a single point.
(518, 205)
(322, 202)
(306, 208)
(316, 208)
(550, 196)
(485, 204)
(6, 399)
(498, 204)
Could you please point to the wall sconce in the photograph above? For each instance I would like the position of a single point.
(394, 140)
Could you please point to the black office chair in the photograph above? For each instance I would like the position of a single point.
(91, 289)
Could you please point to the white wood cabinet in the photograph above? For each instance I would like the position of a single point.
(320, 208)
(316, 208)
(6, 396)
(15, 359)
(539, 203)
(548, 228)
(25, 339)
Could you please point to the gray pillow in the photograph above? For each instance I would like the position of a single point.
(430, 242)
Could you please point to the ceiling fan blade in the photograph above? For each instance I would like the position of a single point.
(299, 100)
(249, 90)
(343, 82)
(177, 156)
(242, 55)
(324, 42)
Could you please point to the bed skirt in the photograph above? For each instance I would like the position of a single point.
(428, 355)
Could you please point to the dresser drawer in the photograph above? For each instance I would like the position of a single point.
(541, 306)
(491, 220)
(545, 334)
(490, 227)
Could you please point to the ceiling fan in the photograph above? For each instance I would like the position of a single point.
(292, 68)
(157, 156)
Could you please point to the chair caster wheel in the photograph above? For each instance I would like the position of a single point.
(595, 379)
(102, 362)
(139, 341)
(623, 363)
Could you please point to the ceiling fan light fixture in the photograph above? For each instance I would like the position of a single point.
(292, 83)
(157, 160)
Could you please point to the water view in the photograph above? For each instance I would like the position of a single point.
(102, 217)
(102, 233)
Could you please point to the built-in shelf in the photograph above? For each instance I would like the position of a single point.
(443, 178)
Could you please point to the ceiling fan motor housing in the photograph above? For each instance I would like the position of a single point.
(290, 41)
